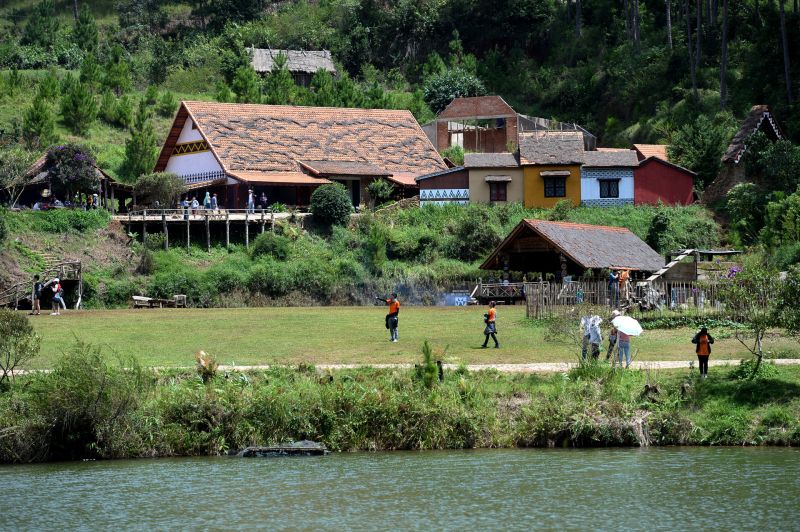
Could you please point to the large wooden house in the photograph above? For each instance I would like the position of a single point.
(285, 152)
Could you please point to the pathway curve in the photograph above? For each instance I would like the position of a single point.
(534, 367)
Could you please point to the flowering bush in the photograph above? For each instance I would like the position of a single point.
(72, 170)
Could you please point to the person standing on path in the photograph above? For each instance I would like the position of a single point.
(703, 341)
(624, 348)
(207, 201)
(36, 296)
(393, 317)
(490, 318)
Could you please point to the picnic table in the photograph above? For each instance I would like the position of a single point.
(177, 301)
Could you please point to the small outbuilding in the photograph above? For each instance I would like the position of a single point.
(303, 64)
(657, 180)
(607, 177)
(565, 248)
(443, 187)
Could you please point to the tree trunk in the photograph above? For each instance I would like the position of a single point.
(698, 31)
(669, 23)
(759, 351)
(709, 20)
(759, 20)
(577, 18)
(627, 5)
(723, 60)
(785, 53)
(692, 65)
(75, 9)
(636, 28)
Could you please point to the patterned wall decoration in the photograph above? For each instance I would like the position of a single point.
(441, 196)
(187, 148)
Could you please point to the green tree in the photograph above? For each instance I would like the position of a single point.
(90, 71)
(323, 89)
(348, 92)
(167, 105)
(151, 95)
(42, 26)
(163, 187)
(789, 301)
(48, 87)
(141, 149)
(279, 84)
(72, 170)
(247, 85)
(117, 72)
(699, 146)
(744, 205)
(107, 110)
(14, 165)
(440, 89)
(123, 111)
(331, 205)
(38, 126)
(772, 165)
(78, 107)
(85, 34)
(19, 344)
(659, 230)
(380, 191)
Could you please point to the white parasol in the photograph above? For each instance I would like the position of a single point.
(627, 325)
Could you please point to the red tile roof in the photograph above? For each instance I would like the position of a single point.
(643, 151)
(277, 178)
(276, 138)
(477, 107)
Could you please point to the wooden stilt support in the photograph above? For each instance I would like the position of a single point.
(188, 230)
(166, 231)
(113, 207)
(227, 230)
(247, 229)
(208, 235)
(272, 221)
(144, 227)
(263, 221)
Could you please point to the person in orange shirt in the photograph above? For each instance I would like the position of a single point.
(490, 318)
(624, 276)
(703, 341)
(392, 318)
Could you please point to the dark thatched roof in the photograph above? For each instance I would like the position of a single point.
(490, 160)
(308, 61)
(610, 158)
(759, 117)
(589, 246)
(551, 147)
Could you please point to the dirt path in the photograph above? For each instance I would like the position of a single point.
(536, 367)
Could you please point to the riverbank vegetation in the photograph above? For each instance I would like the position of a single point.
(93, 405)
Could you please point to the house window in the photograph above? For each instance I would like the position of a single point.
(555, 186)
(609, 188)
(497, 191)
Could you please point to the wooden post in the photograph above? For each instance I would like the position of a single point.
(263, 221)
(227, 230)
(144, 227)
(208, 235)
(113, 208)
(166, 230)
(272, 220)
(188, 235)
(247, 229)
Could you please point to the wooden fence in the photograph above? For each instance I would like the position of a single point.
(546, 299)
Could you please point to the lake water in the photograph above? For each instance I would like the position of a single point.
(611, 489)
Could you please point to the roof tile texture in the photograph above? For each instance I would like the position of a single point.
(275, 138)
(651, 150)
(610, 158)
(490, 160)
(551, 147)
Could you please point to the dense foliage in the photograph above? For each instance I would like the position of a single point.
(331, 205)
(162, 187)
(72, 170)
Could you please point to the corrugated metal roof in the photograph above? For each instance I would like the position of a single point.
(589, 246)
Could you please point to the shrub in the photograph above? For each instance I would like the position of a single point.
(331, 205)
(123, 111)
(167, 105)
(560, 212)
(380, 191)
(78, 107)
(3, 227)
(162, 187)
(72, 170)
(38, 126)
(18, 344)
(206, 366)
(272, 245)
(440, 89)
(471, 236)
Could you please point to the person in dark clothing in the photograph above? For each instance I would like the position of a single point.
(703, 341)
(36, 296)
(393, 317)
(490, 319)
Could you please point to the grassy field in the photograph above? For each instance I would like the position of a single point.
(249, 336)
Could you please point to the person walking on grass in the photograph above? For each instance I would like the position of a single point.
(58, 294)
(703, 341)
(36, 296)
(393, 317)
(624, 348)
(490, 319)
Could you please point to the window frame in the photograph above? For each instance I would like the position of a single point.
(608, 184)
(552, 187)
(498, 191)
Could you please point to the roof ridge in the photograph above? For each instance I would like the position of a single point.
(332, 109)
(536, 221)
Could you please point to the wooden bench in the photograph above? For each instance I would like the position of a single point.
(141, 302)
(177, 301)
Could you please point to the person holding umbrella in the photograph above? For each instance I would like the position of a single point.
(626, 327)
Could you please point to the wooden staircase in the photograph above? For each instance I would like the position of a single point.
(12, 295)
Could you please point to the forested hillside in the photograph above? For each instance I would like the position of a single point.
(628, 70)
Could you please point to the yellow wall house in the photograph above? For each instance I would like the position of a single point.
(551, 162)
(494, 178)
